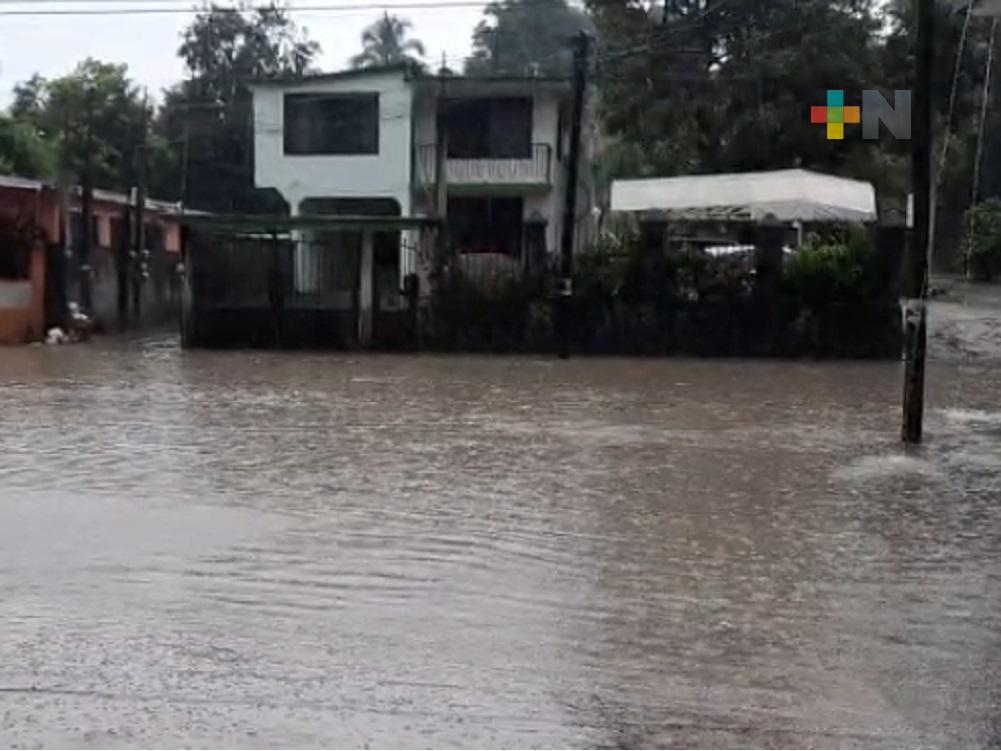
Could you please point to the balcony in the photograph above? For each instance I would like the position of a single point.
(486, 173)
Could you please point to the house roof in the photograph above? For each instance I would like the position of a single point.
(152, 204)
(20, 183)
(106, 196)
(405, 68)
(410, 72)
(788, 195)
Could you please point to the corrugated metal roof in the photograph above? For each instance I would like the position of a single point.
(20, 183)
(106, 196)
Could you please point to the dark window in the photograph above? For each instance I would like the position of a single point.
(154, 238)
(118, 238)
(486, 225)
(332, 124)
(350, 207)
(15, 257)
(17, 237)
(488, 128)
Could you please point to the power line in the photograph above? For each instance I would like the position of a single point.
(326, 8)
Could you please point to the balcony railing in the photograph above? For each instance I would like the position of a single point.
(534, 170)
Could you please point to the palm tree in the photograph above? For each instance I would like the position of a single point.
(385, 43)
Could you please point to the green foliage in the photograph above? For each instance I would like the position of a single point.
(701, 277)
(482, 314)
(983, 223)
(604, 271)
(385, 43)
(618, 268)
(90, 120)
(828, 271)
(24, 152)
(725, 86)
(518, 37)
(222, 50)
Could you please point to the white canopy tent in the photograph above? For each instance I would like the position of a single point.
(789, 195)
(981, 8)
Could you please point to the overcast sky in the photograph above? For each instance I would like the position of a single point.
(52, 45)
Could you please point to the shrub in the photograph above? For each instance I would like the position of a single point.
(482, 314)
(830, 271)
(604, 271)
(983, 239)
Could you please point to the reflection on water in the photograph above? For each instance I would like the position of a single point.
(311, 549)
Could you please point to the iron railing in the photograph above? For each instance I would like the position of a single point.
(535, 169)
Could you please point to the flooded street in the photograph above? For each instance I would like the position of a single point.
(286, 549)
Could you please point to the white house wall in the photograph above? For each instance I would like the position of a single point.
(298, 177)
(407, 122)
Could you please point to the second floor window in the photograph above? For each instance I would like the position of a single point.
(499, 128)
(334, 124)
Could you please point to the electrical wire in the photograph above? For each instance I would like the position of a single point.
(332, 8)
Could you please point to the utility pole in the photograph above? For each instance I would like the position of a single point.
(139, 250)
(185, 159)
(581, 53)
(87, 204)
(916, 274)
(441, 251)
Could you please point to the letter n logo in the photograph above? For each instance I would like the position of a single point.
(876, 110)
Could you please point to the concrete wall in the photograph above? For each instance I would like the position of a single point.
(22, 304)
(22, 301)
(298, 177)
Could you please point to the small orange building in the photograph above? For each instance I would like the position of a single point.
(40, 227)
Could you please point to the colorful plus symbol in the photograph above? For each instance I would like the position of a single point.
(835, 115)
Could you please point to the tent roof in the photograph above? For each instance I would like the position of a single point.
(790, 195)
(980, 7)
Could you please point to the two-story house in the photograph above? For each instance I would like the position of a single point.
(366, 142)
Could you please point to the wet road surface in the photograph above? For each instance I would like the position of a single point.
(259, 549)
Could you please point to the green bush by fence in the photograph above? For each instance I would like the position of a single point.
(983, 239)
(834, 299)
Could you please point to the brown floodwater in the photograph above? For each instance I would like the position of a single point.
(287, 549)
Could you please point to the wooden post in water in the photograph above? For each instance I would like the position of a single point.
(916, 275)
(140, 257)
(366, 292)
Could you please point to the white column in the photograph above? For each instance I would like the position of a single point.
(365, 291)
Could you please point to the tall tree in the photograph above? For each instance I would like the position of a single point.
(224, 50)
(959, 133)
(91, 120)
(719, 85)
(385, 43)
(517, 37)
(24, 152)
